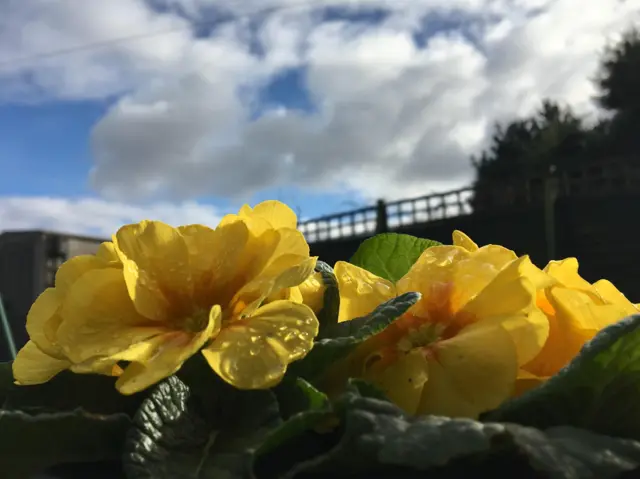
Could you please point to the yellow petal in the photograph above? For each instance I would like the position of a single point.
(496, 256)
(295, 295)
(612, 295)
(107, 252)
(566, 273)
(438, 261)
(312, 290)
(462, 240)
(104, 366)
(574, 319)
(471, 373)
(276, 213)
(100, 318)
(360, 291)
(290, 243)
(509, 292)
(291, 271)
(454, 271)
(71, 270)
(259, 252)
(526, 382)
(444, 273)
(272, 251)
(156, 267)
(582, 310)
(43, 321)
(403, 380)
(33, 366)
(257, 225)
(529, 331)
(245, 210)
(215, 258)
(253, 353)
(161, 356)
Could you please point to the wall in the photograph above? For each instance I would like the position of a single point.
(77, 246)
(21, 255)
(28, 263)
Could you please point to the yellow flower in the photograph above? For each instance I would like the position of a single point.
(42, 357)
(312, 292)
(458, 350)
(181, 290)
(576, 311)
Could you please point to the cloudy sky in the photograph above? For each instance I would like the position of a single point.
(181, 110)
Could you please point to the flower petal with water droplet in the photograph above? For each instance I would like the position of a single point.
(253, 353)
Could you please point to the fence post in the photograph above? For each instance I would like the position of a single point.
(381, 217)
(550, 197)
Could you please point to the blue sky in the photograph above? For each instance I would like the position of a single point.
(45, 150)
(326, 109)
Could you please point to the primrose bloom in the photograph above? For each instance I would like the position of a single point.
(458, 350)
(576, 311)
(230, 292)
(42, 357)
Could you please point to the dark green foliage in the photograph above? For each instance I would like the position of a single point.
(598, 390)
(328, 315)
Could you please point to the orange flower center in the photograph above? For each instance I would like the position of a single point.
(434, 318)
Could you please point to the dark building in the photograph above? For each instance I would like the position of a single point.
(28, 263)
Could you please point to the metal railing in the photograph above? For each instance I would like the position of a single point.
(613, 176)
(388, 216)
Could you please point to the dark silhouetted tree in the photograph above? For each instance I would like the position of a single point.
(553, 136)
(619, 77)
(618, 82)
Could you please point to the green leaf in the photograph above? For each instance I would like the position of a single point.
(328, 315)
(32, 443)
(68, 391)
(297, 439)
(297, 395)
(350, 334)
(378, 319)
(178, 435)
(366, 389)
(390, 255)
(379, 440)
(599, 390)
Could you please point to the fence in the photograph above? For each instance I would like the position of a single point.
(388, 215)
(614, 176)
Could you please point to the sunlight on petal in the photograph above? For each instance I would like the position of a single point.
(253, 353)
(161, 356)
(156, 267)
(462, 240)
(277, 214)
(360, 291)
(100, 318)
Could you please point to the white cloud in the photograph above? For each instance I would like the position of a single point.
(393, 119)
(95, 216)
